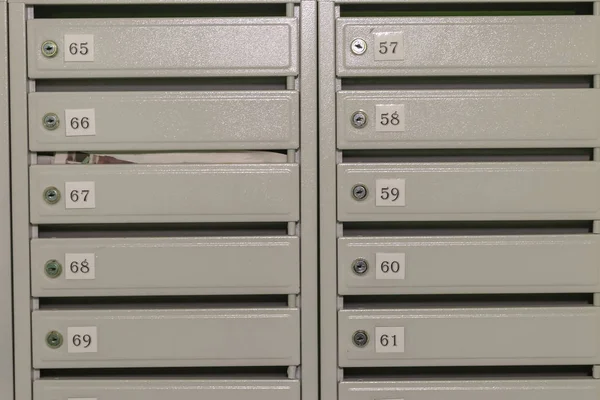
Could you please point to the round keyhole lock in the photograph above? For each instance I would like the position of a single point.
(52, 268)
(359, 192)
(49, 48)
(360, 266)
(359, 119)
(51, 195)
(360, 338)
(51, 121)
(54, 339)
(358, 46)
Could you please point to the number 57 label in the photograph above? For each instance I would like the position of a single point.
(389, 46)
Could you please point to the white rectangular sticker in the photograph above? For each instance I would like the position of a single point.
(79, 48)
(80, 194)
(80, 265)
(389, 46)
(389, 118)
(80, 122)
(390, 193)
(389, 340)
(82, 398)
(82, 339)
(390, 266)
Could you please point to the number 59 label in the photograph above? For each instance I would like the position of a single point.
(82, 339)
(390, 193)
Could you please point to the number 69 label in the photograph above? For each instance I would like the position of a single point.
(82, 339)
(390, 193)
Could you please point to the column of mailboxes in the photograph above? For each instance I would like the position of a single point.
(164, 198)
(467, 194)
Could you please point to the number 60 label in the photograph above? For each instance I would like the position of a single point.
(82, 339)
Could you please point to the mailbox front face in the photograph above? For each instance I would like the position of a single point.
(174, 389)
(535, 45)
(165, 47)
(469, 191)
(469, 336)
(166, 266)
(166, 193)
(166, 338)
(517, 389)
(449, 119)
(469, 264)
(137, 121)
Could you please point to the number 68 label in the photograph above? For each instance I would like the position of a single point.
(82, 339)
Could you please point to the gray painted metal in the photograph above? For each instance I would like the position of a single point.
(515, 389)
(475, 191)
(472, 118)
(174, 389)
(170, 193)
(180, 47)
(475, 336)
(536, 45)
(473, 264)
(139, 121)
(172, 337)
(171, 266)
(6, 319)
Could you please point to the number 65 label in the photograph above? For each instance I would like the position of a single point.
(82, 339)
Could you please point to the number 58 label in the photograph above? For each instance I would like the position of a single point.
(389, 118)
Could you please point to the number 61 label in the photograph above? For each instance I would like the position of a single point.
(389, 340)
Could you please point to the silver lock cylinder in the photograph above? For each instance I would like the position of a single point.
(51, 195)
(360, 266)
(359, 192)
(360, 338)
(50, 121)
(358, 46)
(49, 48)
(359, 119)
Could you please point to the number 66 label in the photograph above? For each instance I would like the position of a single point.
(82, 339)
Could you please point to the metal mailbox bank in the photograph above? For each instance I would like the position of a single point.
(164, 218)
(459, 146)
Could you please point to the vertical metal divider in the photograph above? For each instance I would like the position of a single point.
(308, 227)
(19, 13)
(327, 201)
(596, 225)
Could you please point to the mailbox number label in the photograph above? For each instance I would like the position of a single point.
(389, 340)
(389, 46)
(390, 193)
(79, 48)
(80, 266)
(80, 122)
(80, 194)
(83, 339)
(389, 118)
(390, 265)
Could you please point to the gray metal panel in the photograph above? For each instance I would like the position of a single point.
(475, 191)
(172, 337)
(473, 264)
(179, 47)
(475, 336)
(172, 389)
(140, 121)
(171, 266)
(557, 389)
(496, 118)
(170, 193)
(77, 2)
(524, 45)
(6, 309)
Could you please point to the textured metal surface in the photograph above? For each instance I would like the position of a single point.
(173, 337)
(179, 47)
(142, 2)
(515, 389)
(474, 46)
(140, 121)
(474, 264)
(473, 118)
(475, 191)
(171, 193)
(171, 266)
(174, 389)
(476, 336)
